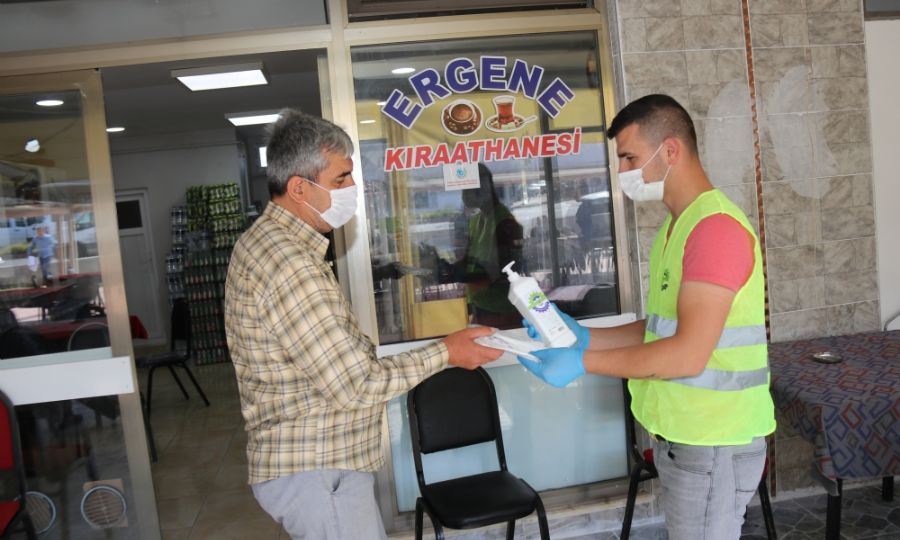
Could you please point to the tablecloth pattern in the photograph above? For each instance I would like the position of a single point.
(850, 411)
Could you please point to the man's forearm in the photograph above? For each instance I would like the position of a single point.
(667, 358)
(617, 337)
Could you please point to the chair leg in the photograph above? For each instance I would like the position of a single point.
(178, 381)
(632, 498)
(150, 392)
(766, 506)
(510, 530)
(29, 526)
(196, 384)
(438, 528)
(149, 430)
(887, 488)
(542, 519)
(419, 518)
(833, 514)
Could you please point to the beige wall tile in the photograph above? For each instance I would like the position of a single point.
(779, 30)
(713, 32)
(717, 100)
(777, 64)
(783, 230)
(787, 162)
(629, 9)
(664, 34)
(849, 222)
(680, 93)
(830, 6)
(744, 196)
(634, 35)
(776, 7)
(805, 324)
(726, 149)
(651, 214)
(793, 262)
(835, 28)
(796, 294)
(840, 158)
(838, 61)
(853, 318)
(842, 93)
(658, 68)
(791, 94)
(710, 7)
(836, 127)
(850, 287)
(791, 197)
(854, 255)
(843, 191)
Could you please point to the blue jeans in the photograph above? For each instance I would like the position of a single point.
(706, 489)
(323, 505)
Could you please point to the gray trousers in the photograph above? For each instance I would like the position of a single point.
(706, 489)
(323, 505)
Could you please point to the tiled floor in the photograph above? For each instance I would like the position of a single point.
(202, 494)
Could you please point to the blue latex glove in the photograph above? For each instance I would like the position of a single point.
(558, 367)
(582, 334)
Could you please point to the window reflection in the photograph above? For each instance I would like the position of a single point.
(536, 192)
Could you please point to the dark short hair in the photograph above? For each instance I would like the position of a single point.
(296, 146)
(659, 116)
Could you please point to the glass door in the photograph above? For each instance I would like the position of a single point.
(65, 334)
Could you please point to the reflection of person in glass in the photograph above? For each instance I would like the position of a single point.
(42, 246)
(313, 392)
(494, 238)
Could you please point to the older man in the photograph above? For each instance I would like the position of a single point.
(312, 391)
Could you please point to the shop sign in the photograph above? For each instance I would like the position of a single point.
(462, 117)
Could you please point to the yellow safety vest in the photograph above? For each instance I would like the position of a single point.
(729, 402)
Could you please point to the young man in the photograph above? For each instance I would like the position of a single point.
(698, 364)
(42, 246)
(312, 391)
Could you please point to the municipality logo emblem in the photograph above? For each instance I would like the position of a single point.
(538, 302)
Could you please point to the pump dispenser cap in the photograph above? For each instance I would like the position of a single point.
(511, 274)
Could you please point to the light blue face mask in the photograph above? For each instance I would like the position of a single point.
(637, 189)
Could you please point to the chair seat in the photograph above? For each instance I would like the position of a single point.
(159, 359)
(8, 510)
(481, 499)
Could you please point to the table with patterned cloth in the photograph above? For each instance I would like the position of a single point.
(849, 410)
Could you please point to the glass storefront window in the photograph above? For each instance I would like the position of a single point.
(475, 154)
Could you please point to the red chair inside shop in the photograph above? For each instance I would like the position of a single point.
(13, 516)
(643, 468)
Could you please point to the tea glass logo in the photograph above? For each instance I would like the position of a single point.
(538, 302)
(460, 172)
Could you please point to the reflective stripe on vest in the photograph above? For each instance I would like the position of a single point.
(717, 379)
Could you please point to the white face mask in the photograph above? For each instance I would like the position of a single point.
(637, 189)
(343, 205)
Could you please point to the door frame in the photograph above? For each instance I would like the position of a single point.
(88, 84)
(142, 196)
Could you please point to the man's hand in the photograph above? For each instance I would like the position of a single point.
(465, 353)
(558, 367)
(582, 334)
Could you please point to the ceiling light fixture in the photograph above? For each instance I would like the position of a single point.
(115, 129)
(49, 102)
(216, 77)
(32, 145)
(402, 70)
(367, 121)
(252, 118)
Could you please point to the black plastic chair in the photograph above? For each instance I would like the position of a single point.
(13, 514)
(453, 409)
(643, 468)
(90, 335)
(181, 330)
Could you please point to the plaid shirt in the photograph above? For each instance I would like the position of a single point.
(312, 391)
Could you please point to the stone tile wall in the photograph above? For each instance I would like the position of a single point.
(809, 115)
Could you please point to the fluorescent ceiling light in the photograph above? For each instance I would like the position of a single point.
(263, 161)
(252, 118)
(381, 103)
(32, 145)
(367, 121)
(49, 102)
(115, 129)
(215, 77)
(402, 70)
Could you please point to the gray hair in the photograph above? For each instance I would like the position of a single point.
(296, 146)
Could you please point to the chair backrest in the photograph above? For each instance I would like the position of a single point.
(453, 409)
(21, 341)
(90, 335)
(181, 324)
(10, 448)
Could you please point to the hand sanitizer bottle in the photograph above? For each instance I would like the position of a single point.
(531, 302)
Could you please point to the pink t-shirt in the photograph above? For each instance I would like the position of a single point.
(720, 251)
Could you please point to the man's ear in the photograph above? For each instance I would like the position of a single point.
(673, 149)
(295, 189)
